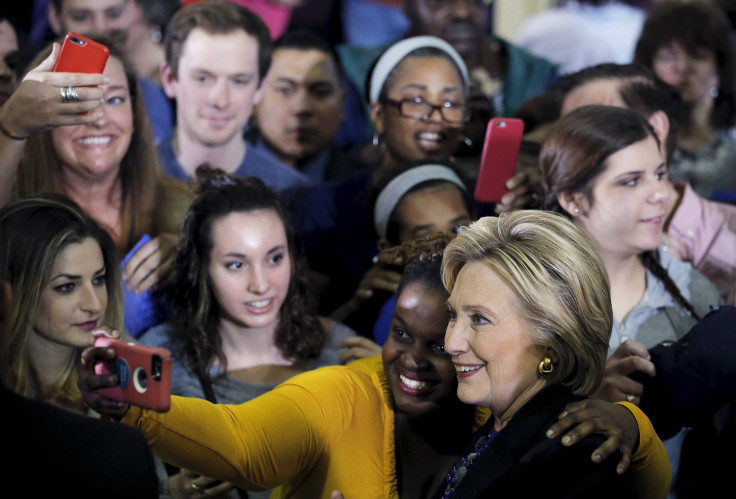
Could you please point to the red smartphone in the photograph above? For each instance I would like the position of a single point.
(498, 160)
(80, 54)
(144, 373)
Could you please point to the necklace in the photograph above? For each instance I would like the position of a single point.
(461, 468)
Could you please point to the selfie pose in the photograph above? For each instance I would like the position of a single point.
(369, 428)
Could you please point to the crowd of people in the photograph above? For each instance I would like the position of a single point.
(280, 193)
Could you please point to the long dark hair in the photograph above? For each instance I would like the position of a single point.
(194, 312)
(576, 151)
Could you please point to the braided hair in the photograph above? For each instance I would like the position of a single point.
(575, 153)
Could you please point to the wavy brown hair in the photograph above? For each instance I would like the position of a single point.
(194, 310)
(40, 169)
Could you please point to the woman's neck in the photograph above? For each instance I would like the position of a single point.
(246, 347)
(628, 279)
(503, 418)
(50, 359)
(696, 129)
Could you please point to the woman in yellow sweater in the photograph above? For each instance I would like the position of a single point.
(385, 427)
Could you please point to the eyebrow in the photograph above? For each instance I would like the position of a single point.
(638, 172)
(419, 86)
(468, 309)
(73, 277)
(245, 257)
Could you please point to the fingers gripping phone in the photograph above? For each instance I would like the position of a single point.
(80, 54)
(144, 373)
(498, 160)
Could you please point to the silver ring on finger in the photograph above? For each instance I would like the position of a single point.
(197, 487)
(68, 94)
(630, 397)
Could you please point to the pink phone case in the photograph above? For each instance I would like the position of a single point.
(80, 54)
(498, 161)
(144, 373)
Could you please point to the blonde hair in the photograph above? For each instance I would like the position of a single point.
(33, 232)
(560, 286)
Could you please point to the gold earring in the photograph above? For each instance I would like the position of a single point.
(545, 366)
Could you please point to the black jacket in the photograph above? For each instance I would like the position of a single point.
(522, 462)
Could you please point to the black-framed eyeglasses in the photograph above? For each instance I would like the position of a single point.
(419, 109)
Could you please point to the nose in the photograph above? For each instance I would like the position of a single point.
(220, 95)
(435, 115)
(462, 8)
(91, 302)
(257, 280)
(99, 25)
(103, 120)
(660, 192)
(456, 341)
(415, 360)
(302, 102)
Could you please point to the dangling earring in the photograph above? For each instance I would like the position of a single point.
(713, 91)
(467, 141)
(545, 367)
(376, 140)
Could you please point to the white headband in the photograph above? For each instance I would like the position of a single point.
(403, 183)
(399, 50)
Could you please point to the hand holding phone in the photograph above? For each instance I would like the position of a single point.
(498, 160)
(144, 374)
(80, 54)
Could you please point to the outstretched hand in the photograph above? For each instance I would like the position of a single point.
(89, 382)
(36, 105)
(589, 416)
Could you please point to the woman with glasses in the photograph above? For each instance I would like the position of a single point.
(418, 91)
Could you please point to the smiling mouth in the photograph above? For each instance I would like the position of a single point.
(465, 369)
(95, 141)
(415, 384)
(259, 306)
(430, 140)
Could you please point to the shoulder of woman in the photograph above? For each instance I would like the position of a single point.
(157, 336)
(336, 331)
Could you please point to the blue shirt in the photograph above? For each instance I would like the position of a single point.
(284, 180)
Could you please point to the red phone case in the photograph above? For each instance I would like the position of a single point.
(498, 161)
(80, 54)
(144, 373)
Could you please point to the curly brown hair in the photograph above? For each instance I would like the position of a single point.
(194, 312)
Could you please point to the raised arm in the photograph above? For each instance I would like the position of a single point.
(36, 106)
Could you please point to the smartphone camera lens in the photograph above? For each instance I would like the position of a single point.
(140, 380)
(156, 364)
(78, 41)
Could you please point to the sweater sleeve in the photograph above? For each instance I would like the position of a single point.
(650, 464)
(257, 445)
